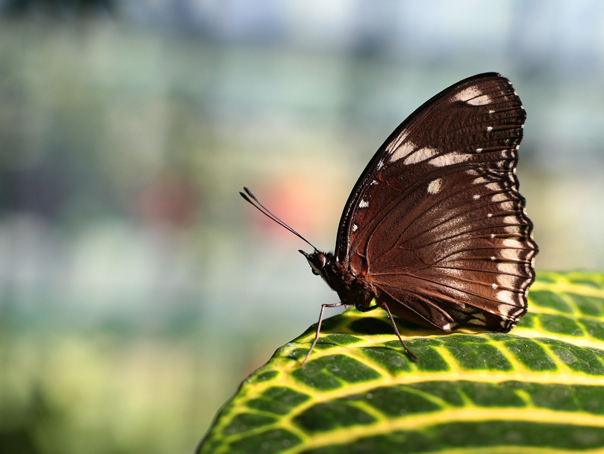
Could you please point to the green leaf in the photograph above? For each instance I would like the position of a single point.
(539, 389)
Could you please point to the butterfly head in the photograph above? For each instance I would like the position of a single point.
(319, 263)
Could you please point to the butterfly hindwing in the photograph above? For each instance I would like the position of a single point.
(435, 223)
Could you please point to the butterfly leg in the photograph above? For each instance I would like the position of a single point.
(323, 306)
(385, 306)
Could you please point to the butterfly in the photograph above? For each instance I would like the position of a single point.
(435, 230)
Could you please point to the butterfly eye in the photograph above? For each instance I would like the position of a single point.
(315, 272)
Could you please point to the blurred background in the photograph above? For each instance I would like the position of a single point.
(137, 289)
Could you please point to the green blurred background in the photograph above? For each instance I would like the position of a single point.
(136, 288)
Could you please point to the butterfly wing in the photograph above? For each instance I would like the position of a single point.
(435, 224)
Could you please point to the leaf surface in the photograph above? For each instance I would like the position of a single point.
(538, 389)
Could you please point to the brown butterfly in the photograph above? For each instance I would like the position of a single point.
(435, 230)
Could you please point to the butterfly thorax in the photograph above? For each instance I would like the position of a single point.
(353, 290)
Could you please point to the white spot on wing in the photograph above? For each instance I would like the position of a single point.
(512, 229)
(489, 128)
(449, 159)
(363, 204)
(494, 285)
(420, 155)
(510, 254)
(472, 96)
(476, 196)
(480, 101)
(506, 206)
(510, 242)
(479, 150)
(434, 186)
(505, 296)
(507, 267)
(402, 151)
(396, 142)
(506, 280)
(504, 310)
(355, 227)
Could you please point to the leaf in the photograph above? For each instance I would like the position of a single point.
(538, 389)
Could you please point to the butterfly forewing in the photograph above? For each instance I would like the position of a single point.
(435, 223)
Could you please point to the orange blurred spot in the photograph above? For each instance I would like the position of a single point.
(306, 208)
(169, 198)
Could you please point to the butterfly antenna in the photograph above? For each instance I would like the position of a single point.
(251, 198)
